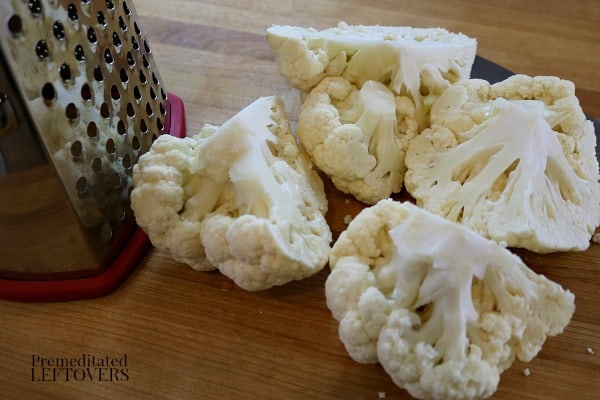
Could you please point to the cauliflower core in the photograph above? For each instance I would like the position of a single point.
(444, 310)
(242, 197)
(514, 161)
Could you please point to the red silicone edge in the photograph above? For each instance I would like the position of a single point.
(112, 276)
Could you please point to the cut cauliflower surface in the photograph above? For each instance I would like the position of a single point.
(515, 161)
(358, 137)
(444, 310)
(409, 60)
(242, 197)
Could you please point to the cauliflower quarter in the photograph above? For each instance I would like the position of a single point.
(358, 137)
(444, 310)
(242, 197)
(515, 161)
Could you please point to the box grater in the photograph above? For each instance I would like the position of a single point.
(80, 100)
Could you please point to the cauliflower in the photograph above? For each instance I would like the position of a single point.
(241, 197)
(515, 161)
(411, 61)
(358, 137)
(444, 310)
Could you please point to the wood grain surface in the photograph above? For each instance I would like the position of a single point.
(194, 335)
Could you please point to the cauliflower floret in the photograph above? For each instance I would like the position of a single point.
(242, 197)
(358, 137)
(170, 198)
(412, 61)
(444, 310)
(514, 161)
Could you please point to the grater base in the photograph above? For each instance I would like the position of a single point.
(110, 277)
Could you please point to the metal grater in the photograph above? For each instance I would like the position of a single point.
(80, 100)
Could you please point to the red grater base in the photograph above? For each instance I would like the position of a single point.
(130, 255)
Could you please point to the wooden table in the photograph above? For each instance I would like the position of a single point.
(193, 335)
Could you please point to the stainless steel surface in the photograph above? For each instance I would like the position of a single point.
(80, 101)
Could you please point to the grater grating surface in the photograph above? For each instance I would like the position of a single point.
(80, 100)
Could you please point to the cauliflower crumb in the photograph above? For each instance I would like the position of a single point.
(382, 395)
(590, 350)
(596, 237)
(347, 200)
(526, 372)
(347, 219)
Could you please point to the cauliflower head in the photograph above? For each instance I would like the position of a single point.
(409, 60)
(515, 161)
(358, 137)
(444, 310)
(241, 197)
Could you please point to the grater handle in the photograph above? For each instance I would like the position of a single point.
(123, 264)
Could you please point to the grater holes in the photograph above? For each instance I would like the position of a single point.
(136, 28)
(72, 12)
(134, 43)
(97, 166)
(108, 58)
(136, 145)
(91, 35)
(127, 163)
(153, 95)
(143, 78)
(71, 112)
(162, 109)
(111, 149)
(116, 39)
(159, 125)
(58, 29)
(145, 62)
(77, 151)
(104, 111)
(143, 126)
(126, 8)
(110, 5)
(42, 50)
(123, 75)
(65, 72)
(101, 18)
(35, 7)
(147, 47)
(86, 92)
(137, 94)
(163, 94)
(114, 93)
(48, 92)
(15, 24)
(121, 128)
(122, 24)
(82, 187)
(130, 110)
(98, 76)
(149, 110)
(79, 53)
(130, 59)
(92, 130)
